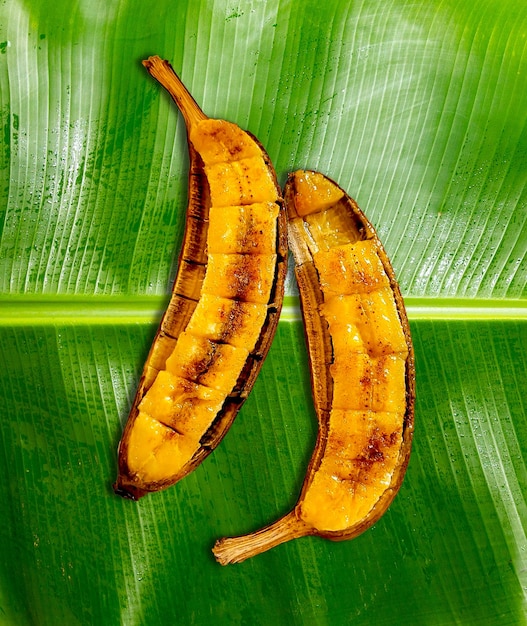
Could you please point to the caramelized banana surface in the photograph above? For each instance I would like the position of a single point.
(362, 370)
(224, 307)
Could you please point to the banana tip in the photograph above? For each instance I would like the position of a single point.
(128, 492)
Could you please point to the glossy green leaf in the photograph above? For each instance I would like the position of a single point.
(419, 110)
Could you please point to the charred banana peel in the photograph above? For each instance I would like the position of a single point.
(224, 307)
(362, 371)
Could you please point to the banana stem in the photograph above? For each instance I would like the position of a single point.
(237, 549)
(163, 72)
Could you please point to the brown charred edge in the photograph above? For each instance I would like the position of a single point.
(319, 348)
(219, 428)
(198, 187)
(124, 485)
(175, 317)
(196, 248)
(191, 267)
(290, 192)
(128, 492)
(316, 334)
(192, 260)
(320, 357)
(188, 283)
(126, 489)
(276, 296)
(185, 294)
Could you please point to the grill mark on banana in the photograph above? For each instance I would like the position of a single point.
(362, 371)
(224, 307)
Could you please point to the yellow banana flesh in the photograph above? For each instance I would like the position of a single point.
(224, 307)
(362, 370)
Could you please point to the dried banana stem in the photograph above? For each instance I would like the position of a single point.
(238, 549)
(162, 71)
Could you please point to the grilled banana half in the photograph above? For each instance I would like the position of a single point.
(224, 307)
(362, 371)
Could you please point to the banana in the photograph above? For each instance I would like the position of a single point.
(224, 308)
(362, 371)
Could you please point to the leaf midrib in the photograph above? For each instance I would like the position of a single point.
(32, 309)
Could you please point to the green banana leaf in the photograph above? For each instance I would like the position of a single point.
(419, 110)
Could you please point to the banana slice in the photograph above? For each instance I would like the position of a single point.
(362, 371)
(224, 308)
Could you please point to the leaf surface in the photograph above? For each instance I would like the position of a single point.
(418, 110)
